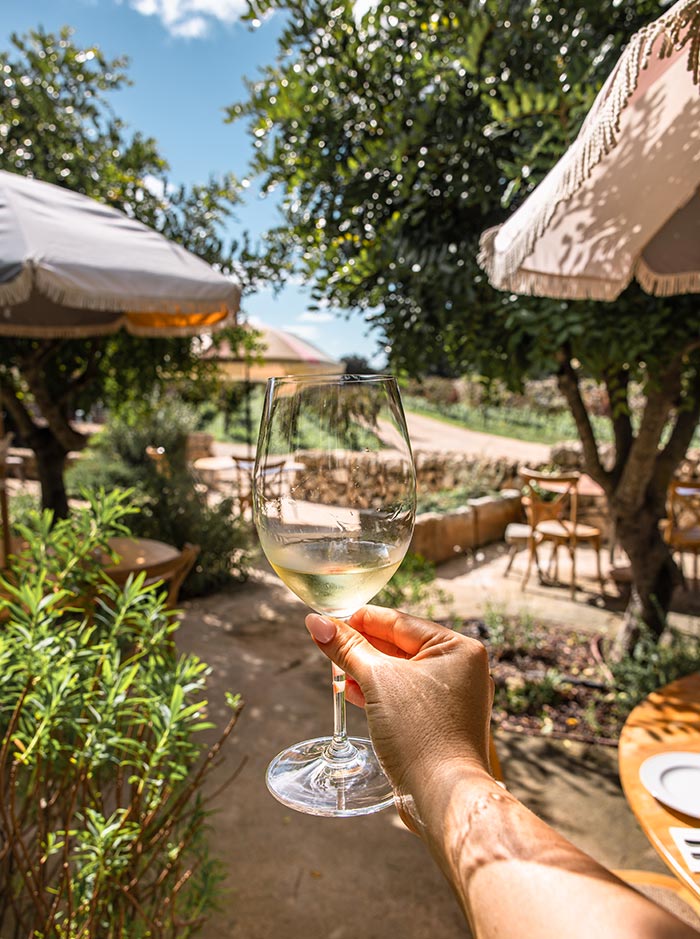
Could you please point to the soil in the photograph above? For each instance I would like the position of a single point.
(549, 681)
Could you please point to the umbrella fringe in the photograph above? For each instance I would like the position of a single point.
(666, 285)
(17, 290)
(677, 28)
(111, 303)
(20, 289)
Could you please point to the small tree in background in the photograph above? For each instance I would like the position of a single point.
(56, 125)
(396, 139)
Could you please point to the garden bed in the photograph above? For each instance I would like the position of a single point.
(554, 681)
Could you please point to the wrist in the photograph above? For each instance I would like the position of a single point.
(424, 798)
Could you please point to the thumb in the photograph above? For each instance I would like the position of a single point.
(343, 645)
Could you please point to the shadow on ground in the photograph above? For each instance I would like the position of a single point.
(296, 875)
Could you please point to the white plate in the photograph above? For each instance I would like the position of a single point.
(674, 779)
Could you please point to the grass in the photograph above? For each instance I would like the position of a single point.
(519, 423)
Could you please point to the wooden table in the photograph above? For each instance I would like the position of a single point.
(585, 486)
(140, 554)
(669, 719)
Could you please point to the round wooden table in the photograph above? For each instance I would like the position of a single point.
(668, 719)
(139, 554)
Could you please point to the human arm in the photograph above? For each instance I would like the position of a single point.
(427, 694)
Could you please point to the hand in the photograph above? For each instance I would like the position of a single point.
(426, 690)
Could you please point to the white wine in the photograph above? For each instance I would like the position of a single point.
(334, 575)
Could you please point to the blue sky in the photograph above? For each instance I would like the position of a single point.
(188, 61)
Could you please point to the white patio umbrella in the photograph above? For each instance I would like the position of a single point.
(624, 201)
(73, 267)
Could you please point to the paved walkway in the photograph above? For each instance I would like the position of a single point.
(296, 875)
(429, 434)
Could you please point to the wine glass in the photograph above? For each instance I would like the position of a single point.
(335, 538)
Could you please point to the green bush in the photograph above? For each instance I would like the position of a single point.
(101, 753)
(653, 663)
(413, 587)
(171, 507)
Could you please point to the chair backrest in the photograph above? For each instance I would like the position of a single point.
(549, 496)
(683, 504)
(274, 475)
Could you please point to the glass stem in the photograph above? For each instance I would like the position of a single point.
(340, 747)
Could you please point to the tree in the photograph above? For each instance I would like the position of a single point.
(56, 124)
(396, 139)
(356, 364)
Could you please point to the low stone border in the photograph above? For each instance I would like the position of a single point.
(439, 536)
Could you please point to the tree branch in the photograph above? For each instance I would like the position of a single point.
(20, 414)
(568, 383)
(617, 384)
(674, 451)
(641, 462)
(51, 411)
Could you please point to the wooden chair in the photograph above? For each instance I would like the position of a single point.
(681, 530)
(551, 506)
(243, 480)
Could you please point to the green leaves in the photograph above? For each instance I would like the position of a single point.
(101, 749)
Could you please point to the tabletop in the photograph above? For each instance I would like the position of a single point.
(668, 719)
(585, 486)
(139, 554)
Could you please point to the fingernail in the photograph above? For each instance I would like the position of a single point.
(321, 628)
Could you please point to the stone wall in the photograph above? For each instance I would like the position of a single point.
(441, 536)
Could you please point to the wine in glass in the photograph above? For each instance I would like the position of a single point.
(335, 537)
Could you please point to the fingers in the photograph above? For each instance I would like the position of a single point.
(343, 645)
(407, 633)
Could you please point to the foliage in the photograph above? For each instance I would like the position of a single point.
(446, 500)
(519, 423)
(171, 508)
(413, 588)
(652, 664)
(56, 124)
(101, 750)
(396, 138)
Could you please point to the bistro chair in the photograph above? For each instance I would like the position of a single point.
(681, 528)
(551, 505)
(243, 480)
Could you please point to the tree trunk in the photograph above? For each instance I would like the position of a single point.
(50, 461)
(654, 576)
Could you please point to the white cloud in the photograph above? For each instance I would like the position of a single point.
(318, 316)
(191, 19)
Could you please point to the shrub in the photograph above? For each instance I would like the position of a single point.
(101, 757)
(172, 509)
(413, 587)
(653, 663)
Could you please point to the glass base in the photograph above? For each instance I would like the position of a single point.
(305, 778)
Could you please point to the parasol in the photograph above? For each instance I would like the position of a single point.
(73, 267)
(624, 200)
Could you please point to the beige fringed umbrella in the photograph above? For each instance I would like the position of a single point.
(278, 353)
(624, 201)
(73, 267)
